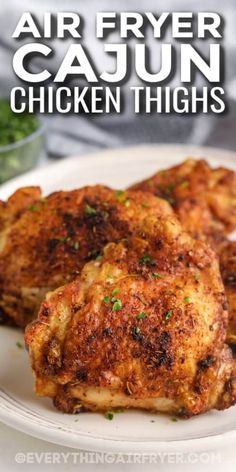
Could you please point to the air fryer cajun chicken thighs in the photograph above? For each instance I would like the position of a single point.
(45, 242)
(142, 327)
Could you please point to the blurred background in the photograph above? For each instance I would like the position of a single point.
(79, 134)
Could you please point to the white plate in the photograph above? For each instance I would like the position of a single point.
(128, 432)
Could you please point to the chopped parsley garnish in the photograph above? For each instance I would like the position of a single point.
(156, 275)
(15, 127)
(187, 299)
(120, 193)
(106, 299)
(145, 205)
(141, 315)
(169, 314)
(117, 305)
(19, 345)
(147, 260)
(89, 210)
(115, 291)
(109, 415)
(64, 239)
(121, 197)
(174, 420)
(33, 208)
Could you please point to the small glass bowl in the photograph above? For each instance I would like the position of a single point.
(21, 156)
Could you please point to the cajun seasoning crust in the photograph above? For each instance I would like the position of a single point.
(203, 198)
(11, 210)
(205, 201)
(142, 327)
(228, 272)
(48, 240)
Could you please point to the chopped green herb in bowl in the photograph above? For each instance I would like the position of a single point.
(21, 141)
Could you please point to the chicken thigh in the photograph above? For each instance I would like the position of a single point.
(45, 242)
(143, 327)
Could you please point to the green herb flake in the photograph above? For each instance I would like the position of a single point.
(141, 315)
(156, 275)
(145, 205)
(147, 260)
(89, 210)
(109, 415)
(15, 127)
(121, 197)
(174, 420)
(33, 208)
(65, 239)
(117, 305)
(115, 291)
(19, 345)
(187, 299)
(106, 299)
(169, 314)
(76, 245)
(120, 193)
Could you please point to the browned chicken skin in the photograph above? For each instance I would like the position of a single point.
(10, 212)
(45, 242)
(203, 198)
(142, 327)
(228, 272)
(205, 201)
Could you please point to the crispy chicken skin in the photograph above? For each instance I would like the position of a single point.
(143, 327)
(45, 242)
(10, 212)
(205, 201)
(203, 198)
(228, 272)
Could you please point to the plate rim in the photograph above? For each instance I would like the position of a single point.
(96, 444)
(189, 150)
